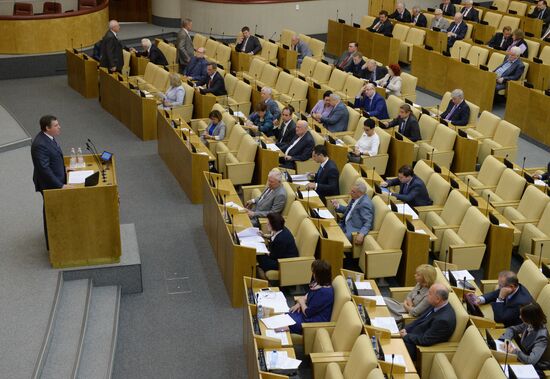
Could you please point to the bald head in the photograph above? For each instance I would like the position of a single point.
(301, 128)
(438, 295)
(114, 26)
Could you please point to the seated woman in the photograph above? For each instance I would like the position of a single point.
(392, 80)
(416, 301)
(323, 107)
(316, 304)
(282, 245)
(175, 95)
(532, 336)
(261, 120)
(216, 129)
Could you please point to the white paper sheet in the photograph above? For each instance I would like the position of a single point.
(258, 239)
(259, 246)
(301, 183)
(310, 194)
(385, 323)
(503, 224)
(421, 231)
(298, 177)
(231, 204)
(279, 335)
(272, 147)
(501, 346)
(284, 362)
(379, 299)
(363, 285)
(539, 182)
(279, 321)
(272, 299)
(324, 213)
(405, 208)
(461, 274)
(398, 359)
(522, 371)
(79, 177)
(249, 232)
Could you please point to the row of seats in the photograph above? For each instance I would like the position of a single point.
(215, 51)
(316, 46)
(520, 8)
(49, 7)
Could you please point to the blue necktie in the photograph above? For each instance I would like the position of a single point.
(318, 173)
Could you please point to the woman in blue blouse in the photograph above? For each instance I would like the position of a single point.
(216, 129)
(261, 120)
(316, 305)
(175, 94)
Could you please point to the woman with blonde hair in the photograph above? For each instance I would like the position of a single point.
(175, 95)
(416, 301)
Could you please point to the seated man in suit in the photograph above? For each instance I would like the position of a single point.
(373, 72)
(356, 68)
(272, 199)
(247, 43)
(457, 30)
(542, 12)
(418, 17)
(507, 300)
(457, 112)
(412, 189)
(325, 181)
(401, 13)
(371, 102)
(196, 68)
(337, 120)
(448, 8)
(151, 51)
(439, 22)
(344, 61)
(406, 122)
(436, 325)
(469, 13)
(367, 144)
(214, 82)
(541, 175)
(286, 130)
(358, 215)
(299, 149)
(267, 97)
(511, 69)
(382, 24)
(501, 41)
(301, 48)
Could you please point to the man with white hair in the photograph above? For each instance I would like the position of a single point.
(111, 49)
(337, 120)
(374, 72)
(152, 52)
(439, 22)
(401, 13)
(271, 200)
(267, 97)
(457, 112)
(358, 214)
(469, 13)
(418, 17)
(457, 30)
(299, 149)
(301, 48)
(511, 69)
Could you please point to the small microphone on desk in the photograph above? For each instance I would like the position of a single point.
(256, 29)
(506, 343)
(464, 291)
(336, 14)
(432, 157)
(273, 35)
(351, 21)
(308, 211)
(523, 165)
(468, 188)
(445, 265)
(210, 35)
(487, 207)
(391, 367)
(540, 255)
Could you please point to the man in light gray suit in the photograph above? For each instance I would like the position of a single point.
(337, 119)
(358, 215)
(184, 44)
(301, 48)
(272, 199)
(439, 21)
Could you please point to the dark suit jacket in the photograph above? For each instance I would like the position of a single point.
(460, 116)
(197, 69)
(507, 312)
(217, 87)
(49, 167)
(385, 28)
(252, 46)
(377, 108)
(472, 15)
(327, 180)
(451, 10)
(282, 246)
(290, 133)
(381, 71)
(156, 56)
(545, 16)
(513, 72)
(411, 130)
(337, 119)
(519, 43)
(357, 70)
(111, 52)
(415, 194)
(460, 33)
(421, 20)
(406, 17)
(299, 152)
(496, 40)
(534, 343)
(430, 328)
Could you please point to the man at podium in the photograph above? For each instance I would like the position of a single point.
(47, 159)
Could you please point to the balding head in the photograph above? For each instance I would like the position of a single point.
(438, 295)
(301, 128)
(458, 17)
(114, 26)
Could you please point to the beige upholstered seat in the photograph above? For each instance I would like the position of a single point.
(423, 171)
(210, 48)
(408, 86)
(340, 339)
(495, 60)
(415, 37)
(427, 126)
(321, 73)
(393, 103)
(296, 214)
(169, 51)
(400, 31)
(185, 111)
(361, 362)
(269, 51)
(380, 209)
(307, 67)
(491, 369)
(379, 162)
(230, 86)
(467, 246)
(530, 276)
(284, 80)
(485, 126)
(545, 55)
(269, 76)
(240, 101)
(438, 189)
(223, 56)
(488, 175)
(232, 145)
(519, 7)
(255, 70)
(460, 50)
(510, 187)
(474, 112)
(529, 209)
(478, 55)
(341, 296)
(440, 148)
(240, 167)
(352, 86)
(286, 37)
(493, 18)
(532, 49)
(537, 235)
(382, 254)
(317, 48)
(297, 93)
(510, 21)
(366, 21)
(336, 81)
(544, 300)
(199, 40)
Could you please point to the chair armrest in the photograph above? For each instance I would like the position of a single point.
(467, 256)
(523, 222)
(488, 285)
(310, 328)
(466, 173)
(407, 318)
(444, 227)
(319, 362)
(293, 271)
(425, 355)
(482, 322)
(429, 208)
(511, 203)
(400, 293)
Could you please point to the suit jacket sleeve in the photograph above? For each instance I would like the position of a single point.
(393, 182)
(414, 131)
(110, 51)
(366, 214)
(407, 17)
(538, 348)
(378, 109)
(439, 327)
(415, 192)
(461, 32)
(422, 21)
(45, 172)
(463, 115)
(515, 74)
(257, 46)
(305, 151)
(449, 107)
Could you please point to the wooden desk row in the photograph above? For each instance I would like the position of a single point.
(82, 73)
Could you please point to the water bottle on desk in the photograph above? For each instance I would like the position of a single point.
(374, 344)
(80, 159)
(273, 362)
(350, 283)
(260, 312)
(72, 162)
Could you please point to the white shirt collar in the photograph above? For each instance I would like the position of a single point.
(50, 137)
(275, 234)
(324, 163)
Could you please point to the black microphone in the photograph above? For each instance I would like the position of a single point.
(464, 290)
(81, 50)
(97, 161)
(523, 165)
(72, 45)
(445, 266)
(273, 35)
(488, 201)
(540, 255)
(336, 14)
(308, 211)
(432, 157)
(468, 188)
(351, 21)
(391, 367)
(210, 35)
(506, 343)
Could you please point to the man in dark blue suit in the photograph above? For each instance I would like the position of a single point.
(412, 189)
(371, 102)
(406, 123)
(299, 149)
(214, 83)
(507, 300)
(196, 69)
(457, 112)
(325, 181)
(47, 159)
(511, 69)
(456, 31)
(152, 52)
(382, 24)
(436, 325)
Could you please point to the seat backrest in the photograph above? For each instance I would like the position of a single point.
(532, 203)
(427, 126)
(438, 189)
(353, 120)
(189, 94)
(531, 278)
(169, 51)
(511, 21)
(380, 209)
(444, 138)
(493, 18)
(347, 179)
(393, 103)
(50, 7)
(495, 60)
(338, 79)
(307, 67)
(362, 359)
(256, 68)
(474, 226)
(269, 51)
(445, 100)
(210, 46)
(519, 7)
(358, 127)
(307, 238)
(199, 40)
(317, 48)
(455, 208)
(490, 171)
(400, 31)
(347, 329)
(286, 36)
(247, 149)
(460, 50)
(321, 73)
(416, 36)
(296, 214)
(423, 171)
(352, 86)
(491, 369)
(235, 137)
(472, 352)
(341, 296)
(223, 55)
(477, 55)
(366, 21)
(462, 317)
(487, 123)
(544, 300)
(391, 232)
(230, 84)
(298, 89)
(408, 86)
(532, 48)
(269, 75)
(284, 80)
(385, 139)
(544, 223)
(545, 55)
(290, 197)
(501, 5)
(242, 93)
(510, 185)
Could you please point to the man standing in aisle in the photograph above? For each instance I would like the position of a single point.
(111, 49)
(47, 159)
(184, 44)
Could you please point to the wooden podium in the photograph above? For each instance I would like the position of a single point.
(137, 64)
(83, 222)
(401, 152)
(82, 73)
(202, 104)
(286, 58)
(240, 61)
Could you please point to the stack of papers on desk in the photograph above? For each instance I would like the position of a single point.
(405, 208)
(379, 299)
(299, 177)
(79, 177)
(501, 346)
(363, 285)
(279, 321)
(398, 359)
(421, 231)
(272, 147)
(284, 362)
(260, 247)
(236, 206)
(239, 114)
(249, 232)
(460, 274)
(521, 371)
(273, 300)
(385, 323)
(324, 213)
(279, 335)
(310, 193)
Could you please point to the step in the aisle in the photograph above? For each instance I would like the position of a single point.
(99, 345)
(70, 324)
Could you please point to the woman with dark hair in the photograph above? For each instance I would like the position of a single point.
(216, 129)
(392, 80)
(282, 245)
(532, 338)
(316, 304)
